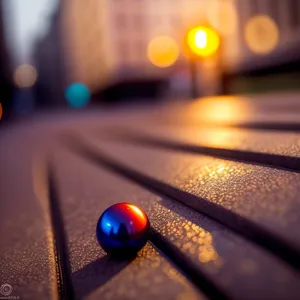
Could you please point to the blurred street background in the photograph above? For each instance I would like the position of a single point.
(73, 54)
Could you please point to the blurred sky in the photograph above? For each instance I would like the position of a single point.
(25, 20)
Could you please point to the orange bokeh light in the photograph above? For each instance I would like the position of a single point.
(261, 34)
(163, 51)
(203, 41)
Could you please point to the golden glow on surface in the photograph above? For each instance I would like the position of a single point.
(163, 51)
(187, 296)
(208, 255)
(218, 110)
(212, 137)
(1, 111)
(217, 138)
(25, 76)
(223, 16)
(261, 34)
(203, 41)
(199, 241)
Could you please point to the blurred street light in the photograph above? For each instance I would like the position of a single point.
(203, 41)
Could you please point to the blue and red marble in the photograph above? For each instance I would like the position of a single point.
(123, 229)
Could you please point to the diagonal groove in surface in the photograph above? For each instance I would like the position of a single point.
(253, 125)
(185, 265)
(276, 161)
(65, 286)
(245, 227)
(284, 127)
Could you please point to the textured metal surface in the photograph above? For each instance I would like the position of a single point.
(231, 261)
(269, 197)
(256, 112)
(84, 196)
(27, 259)
(240, 268)
(269, 142)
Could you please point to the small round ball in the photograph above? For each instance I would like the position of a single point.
(123, 229)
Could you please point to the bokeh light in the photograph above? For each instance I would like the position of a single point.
(25, 76)
(261, 34)
(163, 51)
(1, 111)
(222, 15)
(203, 41)
(77, 95)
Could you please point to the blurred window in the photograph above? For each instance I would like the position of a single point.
(253, 7)
(175, 21)
(275, 10)
(139, 22)
(294, 13)
(157, 20)
(140, 47)
(124, 51)
(121, 21)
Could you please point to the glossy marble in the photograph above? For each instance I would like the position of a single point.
(123, 229)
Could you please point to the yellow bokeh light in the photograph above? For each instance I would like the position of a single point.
(261, 34)
(163, 51)
(25, 76)
(203, 41)
(200, 39)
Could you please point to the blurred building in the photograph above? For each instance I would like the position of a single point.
(100, 41)
(268, 37)
(107, 36)
(5, 74)
(49, 61)
(107, 40)
(286, 16)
